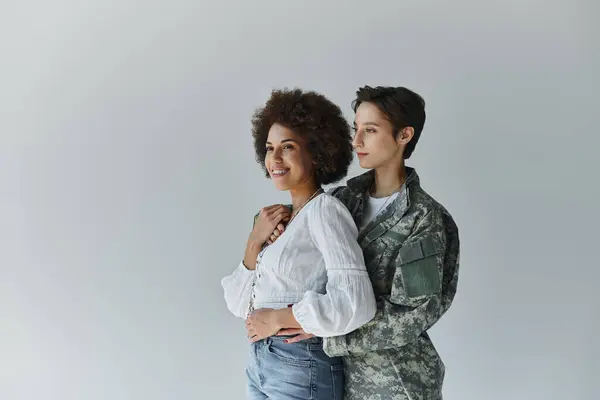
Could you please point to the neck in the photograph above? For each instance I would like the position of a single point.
(388, 179)
(301, 194)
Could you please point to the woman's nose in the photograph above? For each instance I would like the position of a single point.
(357, 139)
(276, 155)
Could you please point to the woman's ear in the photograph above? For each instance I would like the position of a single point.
(405, 135)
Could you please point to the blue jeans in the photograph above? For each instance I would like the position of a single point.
(293, 371)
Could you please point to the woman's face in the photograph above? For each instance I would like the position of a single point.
(288, 159)
(374, 140)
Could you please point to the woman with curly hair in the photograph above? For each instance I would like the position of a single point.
(314, 276)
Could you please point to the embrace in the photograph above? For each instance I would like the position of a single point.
(339, 288)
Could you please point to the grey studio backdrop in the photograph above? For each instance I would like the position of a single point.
(128, 183)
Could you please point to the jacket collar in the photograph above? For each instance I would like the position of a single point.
(392, 213)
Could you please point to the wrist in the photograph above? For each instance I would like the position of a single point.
(284, 319)
(254, 242)
(278, 319)
(248, 266)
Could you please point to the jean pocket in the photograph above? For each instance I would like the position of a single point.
(337, 376)
(295, 354)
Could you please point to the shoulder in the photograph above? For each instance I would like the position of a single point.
(326, 210)
(338, 191)
(343, 194)
(328, 204)
(426, 207)
(328, 219)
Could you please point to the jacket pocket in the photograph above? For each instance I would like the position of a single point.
(419, 268)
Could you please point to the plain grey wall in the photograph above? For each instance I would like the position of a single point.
(128, 182)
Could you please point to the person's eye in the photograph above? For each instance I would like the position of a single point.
(269, 149)
(288, 147)
(369, 130)
(354, 128)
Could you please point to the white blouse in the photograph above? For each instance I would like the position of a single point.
(317, 265)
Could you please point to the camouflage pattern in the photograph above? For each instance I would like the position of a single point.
(412, 254)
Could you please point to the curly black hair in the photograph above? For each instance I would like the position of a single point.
(401, 106)
(312, 116)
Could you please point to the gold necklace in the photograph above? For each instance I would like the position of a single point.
(296, 211)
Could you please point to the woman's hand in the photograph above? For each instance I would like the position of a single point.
(261, 324)
(299, 335)
(277, 232)
(266, 322)
(267, 221)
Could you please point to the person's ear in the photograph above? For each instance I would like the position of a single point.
(405, 135)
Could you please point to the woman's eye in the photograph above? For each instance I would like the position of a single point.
(269, 149)
(370, 130)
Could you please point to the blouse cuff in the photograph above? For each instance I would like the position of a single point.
(245, 270)
(302, 315)
(313, 307)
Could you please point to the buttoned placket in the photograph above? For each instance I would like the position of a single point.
(256, 277)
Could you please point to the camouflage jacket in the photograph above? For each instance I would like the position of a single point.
(412, 254)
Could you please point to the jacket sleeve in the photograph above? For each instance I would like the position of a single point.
(423, 287)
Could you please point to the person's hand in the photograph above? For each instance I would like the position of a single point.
(267, 221)
(278, 231)
(261, 324)
(300, 335)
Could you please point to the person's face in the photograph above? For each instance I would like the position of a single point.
(374, 140)
(288, 159)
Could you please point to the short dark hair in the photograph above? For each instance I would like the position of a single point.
(401, 106)
(315, 118)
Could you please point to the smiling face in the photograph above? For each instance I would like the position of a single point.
(288, 159)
